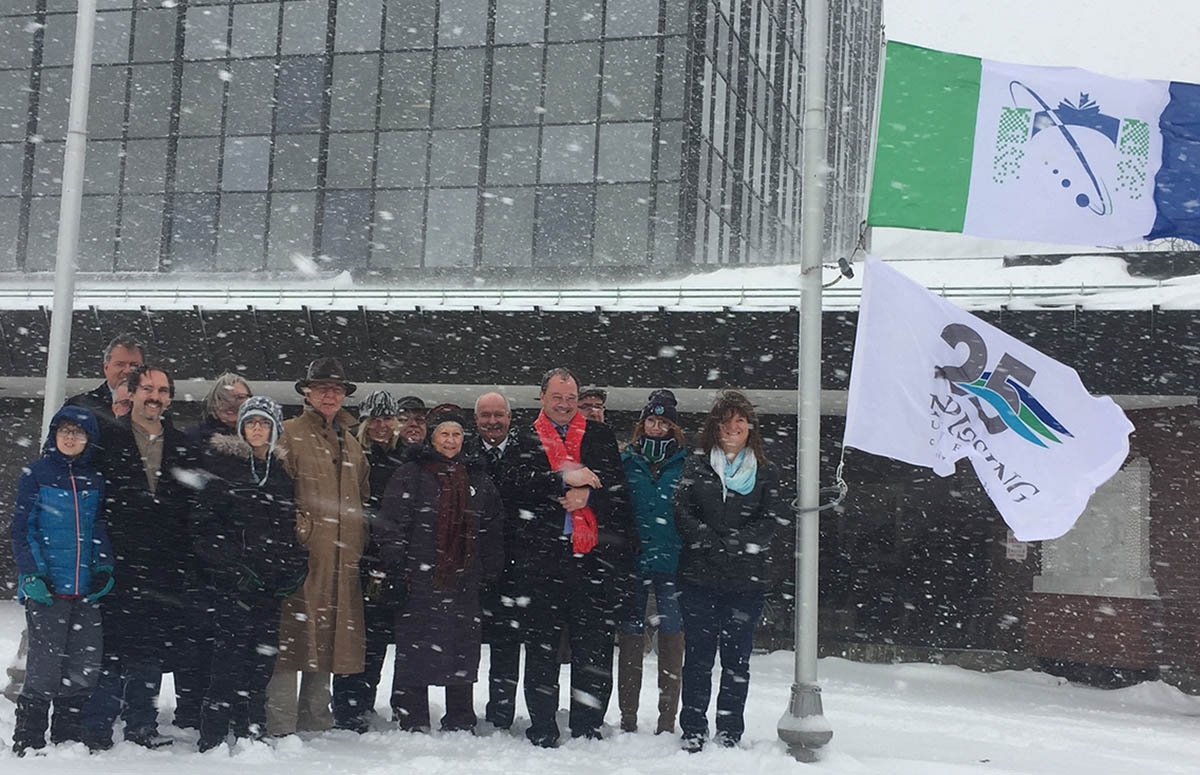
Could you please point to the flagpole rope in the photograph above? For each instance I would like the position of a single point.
(839, 486)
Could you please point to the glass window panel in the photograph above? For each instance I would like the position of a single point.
(520, 21)
(200, 101)
(106, 102)
(412, 28)
(304, 24)
(102, 170)
(462, 22)
(622, 224)
(401, 159)
(21, 6)
(12, 168)
(405, 100)
(564, 226)
(150, 101)
(670, 150)
(516, 85)
(568, 154)
(295, 162)
(196, 164)
(141, 233)
(301, 83)
(97, 233)
(674, 82)
(625, 151)
(508, 227)
(350, 158)
(16, 41)
(58, 39)
(459, 98)
(54, 101)
(145, 165)
(575, 19)
(10, 212)
(255, 30)
(677, 16)
(450, 234)
(112, 37)
(512, 156)
(245, 167)
(14, 104)
(47, 168)
(454, 159)
(291, 229)
(345, 230)
(154, 35)
(572, 81)
(251, 90)
(666, 218)
(358, 25)
(355, 83)
(628, 79)
(41, 246)
(194, 232)
(205, 33)
(243, 233)
(626, 18)
(398, 241)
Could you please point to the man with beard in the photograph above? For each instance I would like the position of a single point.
(572, 552)
(152, 475)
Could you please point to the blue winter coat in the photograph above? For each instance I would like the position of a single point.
(653, 509)
(58, 527)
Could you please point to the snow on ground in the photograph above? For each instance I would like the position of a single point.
(911, 719)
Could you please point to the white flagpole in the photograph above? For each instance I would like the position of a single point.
(803, 726)
(68, 214)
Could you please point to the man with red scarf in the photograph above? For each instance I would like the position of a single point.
(573, 549)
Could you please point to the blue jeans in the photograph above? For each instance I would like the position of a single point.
(717, 619)
(668, 617)
(127, 690)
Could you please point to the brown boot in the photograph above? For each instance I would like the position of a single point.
(670, 674)
(629, 678)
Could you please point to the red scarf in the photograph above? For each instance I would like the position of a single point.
(560, 453)
(456, 526)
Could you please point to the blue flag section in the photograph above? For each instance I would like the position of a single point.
(1177, 186)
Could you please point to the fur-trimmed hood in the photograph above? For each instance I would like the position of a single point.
(236, 446)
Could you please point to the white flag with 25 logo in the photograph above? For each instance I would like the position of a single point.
(932, 384)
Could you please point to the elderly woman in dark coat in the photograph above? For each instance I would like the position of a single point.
(440, 537)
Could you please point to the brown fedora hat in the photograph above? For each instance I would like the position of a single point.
(325, 370)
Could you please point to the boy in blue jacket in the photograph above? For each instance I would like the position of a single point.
(64, 560)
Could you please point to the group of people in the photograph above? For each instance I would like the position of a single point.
(269, 564)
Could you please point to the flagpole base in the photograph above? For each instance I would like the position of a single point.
(803, 726)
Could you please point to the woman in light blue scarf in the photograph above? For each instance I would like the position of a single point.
(727, 509)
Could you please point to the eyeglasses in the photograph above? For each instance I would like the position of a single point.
(328, 389)
(258, 422)
(72, 433)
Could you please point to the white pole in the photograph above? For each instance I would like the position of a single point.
(803, 726)
(68, 214)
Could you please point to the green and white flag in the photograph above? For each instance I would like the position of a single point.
(1049, 154)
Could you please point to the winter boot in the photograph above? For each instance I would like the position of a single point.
(670, 672)
(66, 721)
(29, 731)
(629, 678)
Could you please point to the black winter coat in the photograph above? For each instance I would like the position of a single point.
(725, 540)
(438, 631)
(146, 615)
(540, 553)
(384, 463)
(243, 530)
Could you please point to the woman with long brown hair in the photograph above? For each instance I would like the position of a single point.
(727, 508)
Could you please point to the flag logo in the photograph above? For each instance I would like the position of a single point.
(1078, 155)
(1031, 421)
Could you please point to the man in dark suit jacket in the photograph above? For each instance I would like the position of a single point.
(572, 553)
(150, 620)
(123, 354)
(501, 625)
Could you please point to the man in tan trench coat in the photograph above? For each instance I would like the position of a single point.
(321, 629)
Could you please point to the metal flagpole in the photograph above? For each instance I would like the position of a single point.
(68, 214)
(803, 726)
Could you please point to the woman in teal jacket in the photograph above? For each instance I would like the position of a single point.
(653, 461)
